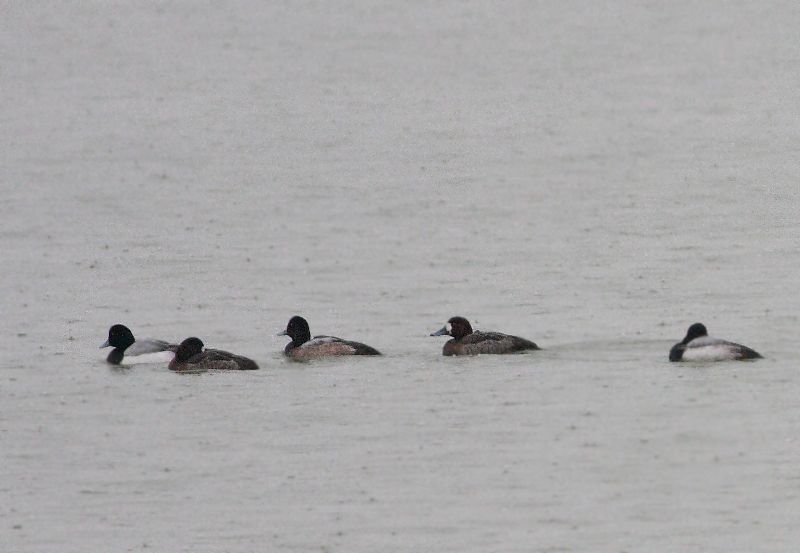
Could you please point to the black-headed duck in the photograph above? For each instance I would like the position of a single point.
(129, 351)
(303, 346)
(191, 357)
(697, 345)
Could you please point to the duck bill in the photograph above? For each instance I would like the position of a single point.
(441, 332)
(105, 345)
(282, 333)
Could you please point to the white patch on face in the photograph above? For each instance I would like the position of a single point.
(449, 328)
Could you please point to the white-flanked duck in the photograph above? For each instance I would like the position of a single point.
(129, 351)
(699, 346)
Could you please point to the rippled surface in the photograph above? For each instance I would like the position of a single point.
(590, 177)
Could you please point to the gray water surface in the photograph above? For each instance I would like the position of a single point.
(592, 176)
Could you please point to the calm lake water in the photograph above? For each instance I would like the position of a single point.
(592, 176)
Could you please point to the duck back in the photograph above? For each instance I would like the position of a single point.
(325, 346)
(487, 343)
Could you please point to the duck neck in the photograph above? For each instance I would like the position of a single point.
(116, 355)
(300, 339)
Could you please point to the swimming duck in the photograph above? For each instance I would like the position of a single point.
(128, 350)
(303, 346)
(193, 358)
(467, 342)
(699, 346)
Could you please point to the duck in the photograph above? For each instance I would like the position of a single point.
(303, 346)
(129, 351)
(191, 357)
(699, 346)
(468, 342)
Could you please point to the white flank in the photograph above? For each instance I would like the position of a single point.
(719, 352)
(155, 357)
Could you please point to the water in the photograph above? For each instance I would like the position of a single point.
(594, 177)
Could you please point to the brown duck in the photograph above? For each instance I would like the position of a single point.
(467, 342)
